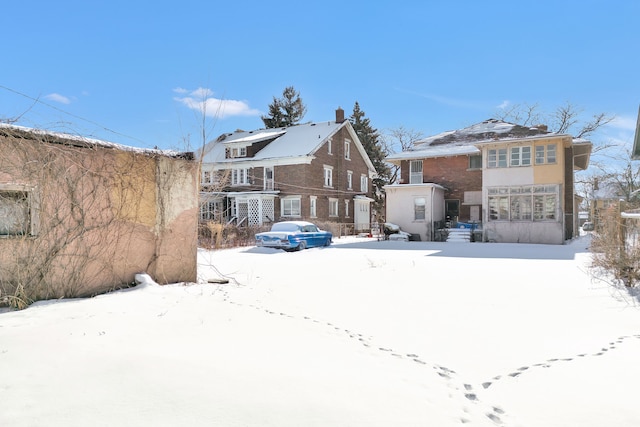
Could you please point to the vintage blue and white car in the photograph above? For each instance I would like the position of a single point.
(293, 235)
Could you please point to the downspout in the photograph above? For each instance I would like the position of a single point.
(432, 231)
(484, 215)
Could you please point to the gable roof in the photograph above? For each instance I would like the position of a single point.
(463, 141)
(290, 145)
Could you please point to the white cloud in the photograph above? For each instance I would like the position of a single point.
(624, 123)
(202, 100)
(504, 104)
(58, 98)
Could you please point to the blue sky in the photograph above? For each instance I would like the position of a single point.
(124, 71)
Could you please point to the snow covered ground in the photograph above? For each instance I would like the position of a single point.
(362, 333)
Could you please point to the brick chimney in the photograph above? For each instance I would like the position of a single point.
(339, 115)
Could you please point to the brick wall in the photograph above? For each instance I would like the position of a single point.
(308, 180)
(453, 174)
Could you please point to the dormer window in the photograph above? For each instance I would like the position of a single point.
(238, 152)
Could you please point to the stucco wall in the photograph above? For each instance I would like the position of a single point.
(103, 215)
(549, 232)
(400, 207)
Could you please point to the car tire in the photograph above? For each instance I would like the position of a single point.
(327, 242)
(302, 246)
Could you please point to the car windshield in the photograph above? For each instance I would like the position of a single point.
(285, 226)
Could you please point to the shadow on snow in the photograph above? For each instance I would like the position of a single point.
(567, 251)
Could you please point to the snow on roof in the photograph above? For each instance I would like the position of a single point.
(289, 142)
(463, 141)
(254, 136)
(84, 141)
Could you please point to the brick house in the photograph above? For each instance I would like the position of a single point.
(516, 181)
(315, 171)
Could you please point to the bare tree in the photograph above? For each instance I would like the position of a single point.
(399, 139)
(566, 118)
(522, 114)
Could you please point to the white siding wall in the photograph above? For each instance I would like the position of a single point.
(400, 207)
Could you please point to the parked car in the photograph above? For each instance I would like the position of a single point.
(293, 235)
(588, 226)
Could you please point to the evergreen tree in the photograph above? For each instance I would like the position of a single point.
(285, 111)
(372, 144)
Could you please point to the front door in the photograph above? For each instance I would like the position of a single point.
(362, 214)
(452, 209)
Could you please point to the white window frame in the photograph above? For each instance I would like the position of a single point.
(290, 206)
(328, 176)
(347, 149)
(346, 208)
(528, 203)
(349, 180)
(313, 206)
(240, 176)
(546, 154)
(211, 210)
(269, 182)
(329, 141)
(520, 156)
(364, 183)
(478, 159)
(419, 209)
(497, 158)
(238, 152)
(415, 172)
(333, 207)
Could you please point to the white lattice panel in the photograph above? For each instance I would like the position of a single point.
(268, 211)
(254, 212)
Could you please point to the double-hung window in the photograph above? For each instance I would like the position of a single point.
(313, 206)
(240, 176)
(268, 178)
(290, 206)
(347, 149)
(364, 183)
(333, 207)
(545, 154)
(419, 208)
(328, 176)
(497, 158)
(521, 156)
(415, 172)
(349, 180)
